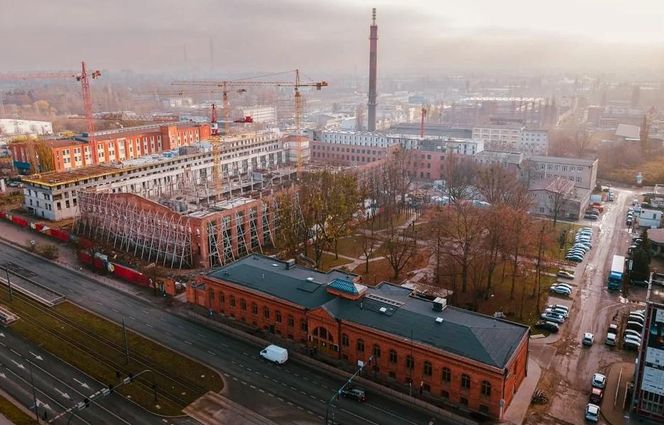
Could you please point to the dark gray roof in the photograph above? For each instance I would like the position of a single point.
(299, 285)
(462, 332)
(387, 307)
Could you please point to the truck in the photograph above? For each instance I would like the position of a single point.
(616, 273)
(275, 354)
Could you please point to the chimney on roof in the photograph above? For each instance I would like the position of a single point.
(439, 304)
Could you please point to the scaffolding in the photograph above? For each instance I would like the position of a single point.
(154, 235)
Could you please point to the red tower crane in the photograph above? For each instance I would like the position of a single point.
(84, 79)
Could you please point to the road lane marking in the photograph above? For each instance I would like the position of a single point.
(211, 353)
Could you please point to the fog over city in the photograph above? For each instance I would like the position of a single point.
(330, 35)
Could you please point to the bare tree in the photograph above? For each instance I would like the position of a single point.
(459, 175)
(400, 246)
(369, 240)
(290, 228)
(558, 192)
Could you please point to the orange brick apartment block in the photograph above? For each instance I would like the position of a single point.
(458, 357)
(115, 145)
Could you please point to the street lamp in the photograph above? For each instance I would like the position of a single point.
(337, 393)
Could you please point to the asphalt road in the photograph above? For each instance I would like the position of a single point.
(568, 364)
(289, 394)
(59, 386)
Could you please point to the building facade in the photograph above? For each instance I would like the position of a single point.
(465, 359)
(12, 127)
(583, 172)
(53, 195)
(648, 398)
(558, 197)
(113, 146)
(499, 137)
(650, 218)
(533, 142)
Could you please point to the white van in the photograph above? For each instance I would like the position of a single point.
(275, 354)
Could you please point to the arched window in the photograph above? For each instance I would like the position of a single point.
(277, 316)
(465, 382)
(393, 356)
(344, 340)
(376, 351)
(486, 388)
(447, 374)
(232, 301)
(410, 362)
(243, 304)
(360, 345)
(254, 308)
(266, 312)
(427, 369)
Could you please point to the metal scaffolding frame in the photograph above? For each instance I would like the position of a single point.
(155, 236)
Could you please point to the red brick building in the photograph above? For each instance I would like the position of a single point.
(458, 357)
(114, 145)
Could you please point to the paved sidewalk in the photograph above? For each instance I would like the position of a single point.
(516, 413)
(614, 394)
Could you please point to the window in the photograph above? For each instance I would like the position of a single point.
(266, 312)
(277, 316)
(376, 351)
(486, 388)
(360, 345)
(447, 374)
(291, 321)
(410, 362)
(303, 325)
(232, 301)
(243, 304)
(254, 308)
(428, 369)
(221, 299)
(465, 382)
(344, 340)
(393, 356)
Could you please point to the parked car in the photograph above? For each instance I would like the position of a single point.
(591, 217)
(560, 311)
(635, 326)
(551, 311)
(588, 339)
(598, 381)
(632, 334)
(565, 274)
(613, 328)
(640, 283)
(639, 313)
(631, 344)
(635, 318)
(560, 290)
(566, 285)
(575, 258)
(355, 394)
(559, 307)
(547, 326)
(592, 412)
(596, 396)
(553, 318)
(610, 339)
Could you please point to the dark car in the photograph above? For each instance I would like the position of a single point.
(641, 283)
(596, 396)
(547, 326)
(354, 393)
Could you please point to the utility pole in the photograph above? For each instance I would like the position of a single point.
(9, 284)
(34, 392)
(126, 344)
(338, 392)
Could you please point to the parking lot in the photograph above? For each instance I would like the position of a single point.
(567, 364)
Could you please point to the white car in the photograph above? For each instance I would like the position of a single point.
(592, 412)
(599, 381)
(588, 339)
(565, 274)
(610, 339)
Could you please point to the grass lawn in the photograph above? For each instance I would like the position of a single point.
(352, 247)
(380, 222)
(554, 250)
(94, 345)
(14, 414)
(328, 262)
(652, 172)
(380, 270)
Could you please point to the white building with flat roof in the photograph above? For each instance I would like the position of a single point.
(583, 172)
(12, 127)
(533, 142)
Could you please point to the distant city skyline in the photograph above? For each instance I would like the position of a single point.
(332, 36)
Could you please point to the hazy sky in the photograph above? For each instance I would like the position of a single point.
(331, 36)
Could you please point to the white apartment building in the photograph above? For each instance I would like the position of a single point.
(533, 142)
(583, 172)
(12, 127)
(260, 114)
(511, 138)
(372, 139)
(53, 195)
